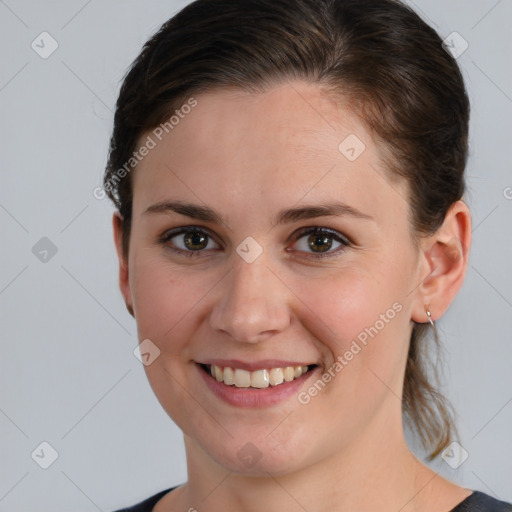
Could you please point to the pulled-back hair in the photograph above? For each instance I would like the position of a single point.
(377, 54)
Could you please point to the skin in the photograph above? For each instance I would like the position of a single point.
(247, 156)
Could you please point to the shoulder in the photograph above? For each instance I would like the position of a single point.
(481, 502)
(148, 504)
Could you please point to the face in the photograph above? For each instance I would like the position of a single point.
(266, 236)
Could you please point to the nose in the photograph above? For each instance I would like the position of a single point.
(253, 304)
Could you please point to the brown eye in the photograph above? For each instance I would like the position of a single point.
(320, 242)
(188, 241)
(195, 241)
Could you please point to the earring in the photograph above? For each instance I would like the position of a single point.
(427, 310)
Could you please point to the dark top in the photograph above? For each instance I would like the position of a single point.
(476, 502)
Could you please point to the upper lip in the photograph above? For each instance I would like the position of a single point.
(252, 366)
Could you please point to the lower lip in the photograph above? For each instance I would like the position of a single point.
(253, 397)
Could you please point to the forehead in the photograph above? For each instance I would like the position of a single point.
(278, 146)
(288, 121)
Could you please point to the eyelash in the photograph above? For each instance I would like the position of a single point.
(343, 240)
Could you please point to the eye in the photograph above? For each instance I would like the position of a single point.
(319, 242)
(189, 241)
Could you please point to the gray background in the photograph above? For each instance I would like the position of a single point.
(68, 374)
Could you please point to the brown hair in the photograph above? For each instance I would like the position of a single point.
(378, 54)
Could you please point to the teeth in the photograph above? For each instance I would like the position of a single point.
(242, 378)
(229, 376)
(258, 379)
(276, 376)
(289, 373)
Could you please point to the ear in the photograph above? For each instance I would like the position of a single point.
(124, 277)
(444, 261)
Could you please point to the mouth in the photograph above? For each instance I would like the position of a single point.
(255, 386)
(258, 379)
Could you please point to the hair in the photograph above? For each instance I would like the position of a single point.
(377, 54)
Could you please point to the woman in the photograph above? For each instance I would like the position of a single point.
(288, 177)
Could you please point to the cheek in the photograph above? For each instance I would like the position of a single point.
(347, 305)
(164, 300)
(361, 325)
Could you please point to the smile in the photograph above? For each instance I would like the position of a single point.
(257, 384)
(258, 379)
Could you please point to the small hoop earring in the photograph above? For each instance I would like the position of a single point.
(427, 310)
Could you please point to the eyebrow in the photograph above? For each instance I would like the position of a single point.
(286, 216)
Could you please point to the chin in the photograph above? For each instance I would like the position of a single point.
(253, 461)
(258, 454)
